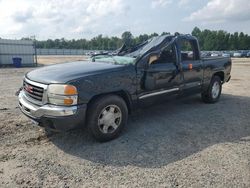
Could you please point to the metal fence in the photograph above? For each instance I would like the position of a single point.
(60, 52)
(23, 49)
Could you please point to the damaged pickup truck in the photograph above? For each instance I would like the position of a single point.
(103, 91)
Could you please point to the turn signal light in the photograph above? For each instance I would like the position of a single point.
(68, 101)
(70, 90)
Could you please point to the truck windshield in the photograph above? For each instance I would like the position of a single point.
(130, 55)
(151, 43)
(121, 60)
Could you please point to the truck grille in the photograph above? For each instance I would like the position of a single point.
(33, 91)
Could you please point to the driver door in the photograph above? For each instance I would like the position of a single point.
(162, 75)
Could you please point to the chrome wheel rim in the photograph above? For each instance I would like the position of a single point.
(215, 90)
(109, 119)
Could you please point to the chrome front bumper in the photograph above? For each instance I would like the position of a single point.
(35, 111)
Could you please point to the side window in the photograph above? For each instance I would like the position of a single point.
(168, 55)
(188, 50)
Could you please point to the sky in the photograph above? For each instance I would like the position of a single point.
(74, 19)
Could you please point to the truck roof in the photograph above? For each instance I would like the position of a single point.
(155, 42)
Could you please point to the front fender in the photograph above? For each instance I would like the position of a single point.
(93, 85)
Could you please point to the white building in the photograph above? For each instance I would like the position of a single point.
(23, 49)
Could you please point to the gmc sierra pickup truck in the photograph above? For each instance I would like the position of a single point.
(102, 92)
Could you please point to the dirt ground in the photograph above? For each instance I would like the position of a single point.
(52, 59)
(180, 143)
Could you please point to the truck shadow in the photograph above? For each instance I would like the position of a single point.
(165, 133)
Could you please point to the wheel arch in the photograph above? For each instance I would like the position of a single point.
(123, 94)
(220, 74)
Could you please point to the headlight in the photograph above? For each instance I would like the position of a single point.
(60, 94)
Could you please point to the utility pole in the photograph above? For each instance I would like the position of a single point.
(34, 39)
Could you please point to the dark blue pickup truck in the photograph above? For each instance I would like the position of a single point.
(103, 91)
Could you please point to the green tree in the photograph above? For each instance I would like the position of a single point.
(196, 32)
(127, 38)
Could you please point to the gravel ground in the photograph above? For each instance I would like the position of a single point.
(53, 59)
(180, 143)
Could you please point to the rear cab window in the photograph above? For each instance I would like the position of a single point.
(189, 50)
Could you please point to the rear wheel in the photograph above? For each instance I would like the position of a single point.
(213, 92)
(107, 116)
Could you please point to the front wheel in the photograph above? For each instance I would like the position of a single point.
(213, 92)
(107, 116)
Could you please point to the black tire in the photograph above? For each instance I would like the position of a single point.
(95, 110)
(207, 96)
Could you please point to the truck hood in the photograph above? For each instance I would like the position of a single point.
(65, 72)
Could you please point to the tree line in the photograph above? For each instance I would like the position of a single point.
(221, 40)
(209, 40)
